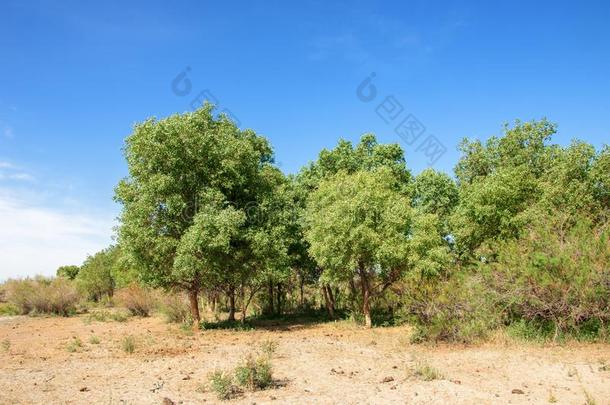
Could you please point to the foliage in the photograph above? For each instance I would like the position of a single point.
(69, 272)
(138, 300)
(556, 276)
(42, 296)
(222, 384)
(94, 279)
(254, 373)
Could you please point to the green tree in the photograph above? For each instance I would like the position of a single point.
(95, 276)
(185, 173)
(69, 272)
(358, 224)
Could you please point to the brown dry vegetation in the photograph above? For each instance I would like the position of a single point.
(313, 363)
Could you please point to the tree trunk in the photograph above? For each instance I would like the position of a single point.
(353, 294)
(231, 304)
(329, 305)
(244, 305)
(366, 296)
(270, 308)
(279, 298)
(194, 303)
(302, 284)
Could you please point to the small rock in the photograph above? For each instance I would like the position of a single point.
(517, 391)
(387, 379)
(84, 389)
(167, 401)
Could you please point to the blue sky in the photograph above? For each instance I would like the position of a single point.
(75, 76)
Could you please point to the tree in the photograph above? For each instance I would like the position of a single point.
(358, 224)
(69, 272)
(95, 276)
(185, 172)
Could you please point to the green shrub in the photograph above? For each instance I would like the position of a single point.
(138, 300)
(45, 296)
(555, 281)
(254, 373)
(221, 384)
(8, 309)
(458, 308)
(94, 340)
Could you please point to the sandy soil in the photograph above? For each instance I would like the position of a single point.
(316, 363)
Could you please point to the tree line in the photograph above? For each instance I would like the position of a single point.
(517, 235)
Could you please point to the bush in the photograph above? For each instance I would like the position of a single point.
(555, 281)
(458, 309)
(254, 374)
(222, 384)
(128, 344)
(175, 309)
(46, 296)
(426, 372)
(74, 345)
(138, 300)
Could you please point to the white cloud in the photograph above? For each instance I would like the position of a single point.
(35, 239)
(6, 165)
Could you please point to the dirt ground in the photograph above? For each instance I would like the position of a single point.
(314, 363)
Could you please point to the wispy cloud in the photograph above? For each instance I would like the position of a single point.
(36, 239)
(9, 171)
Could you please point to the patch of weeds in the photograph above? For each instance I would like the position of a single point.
(603, 366)
(128, 344)
(254, 373)
(221, 384)
(269, 347)
(187, 328)
(74, 345)
(99, 316)
(426, 372)
(6, 345)
(552, 397)
(8, 309)
(94, 340)
(572, 372)
(119, 316)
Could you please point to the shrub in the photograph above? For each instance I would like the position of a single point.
(458, 308)
(254, 374)
(74, 345)
(555, 280)
(94, 340)
(222, 384)
(175, 309)
(7, 309)
(128, 344)
(138, 300)
(40, 295)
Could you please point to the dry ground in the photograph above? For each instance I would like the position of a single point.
(314, 363)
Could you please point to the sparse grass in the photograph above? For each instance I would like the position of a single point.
(175, 309)
(128, 344)
(552, 397)
(221, 384)
(426, 372)
(589, 400)
(105, 315)
(74, 345)
(94, 340)
(6, 345)
(254, 373)
(268, 347)
(119, 316)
